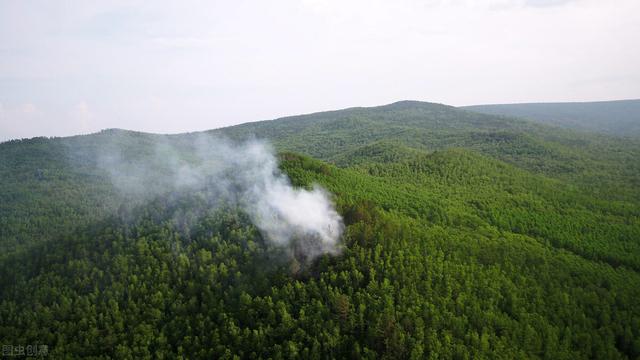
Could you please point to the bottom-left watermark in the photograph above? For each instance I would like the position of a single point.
(25, 350)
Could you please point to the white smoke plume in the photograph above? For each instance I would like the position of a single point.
(245, 174)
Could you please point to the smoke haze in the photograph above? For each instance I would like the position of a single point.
(245, 174)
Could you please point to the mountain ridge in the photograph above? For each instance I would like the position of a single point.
(396, 105)
(615, 117)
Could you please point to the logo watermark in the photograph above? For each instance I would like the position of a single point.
(9, 350)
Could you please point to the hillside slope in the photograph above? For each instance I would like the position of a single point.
(602, 165)
(621, 118)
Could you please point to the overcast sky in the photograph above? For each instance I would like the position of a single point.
(73, 67)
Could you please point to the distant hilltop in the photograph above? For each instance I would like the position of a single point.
(620, 117)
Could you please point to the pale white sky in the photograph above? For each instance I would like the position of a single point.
(70, 67)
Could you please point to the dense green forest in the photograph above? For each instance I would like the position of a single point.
(467, 236)
(621, 117)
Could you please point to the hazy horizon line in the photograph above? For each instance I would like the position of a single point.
(310, 113)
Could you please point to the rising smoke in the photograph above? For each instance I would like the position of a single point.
(243, 173)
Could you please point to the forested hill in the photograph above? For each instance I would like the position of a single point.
(601, 164)
(621, 118)
(466, 236)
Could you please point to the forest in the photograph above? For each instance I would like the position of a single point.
(467, 236)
